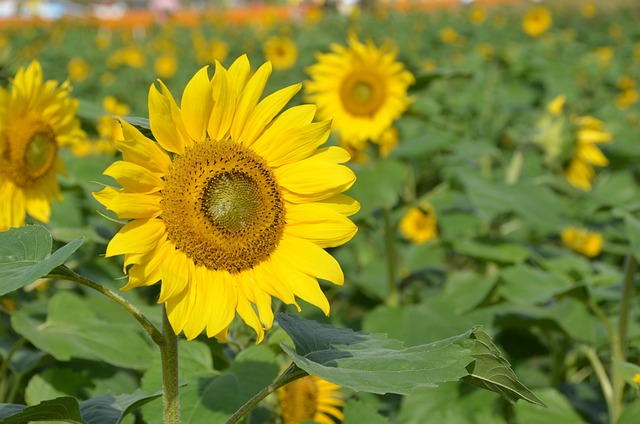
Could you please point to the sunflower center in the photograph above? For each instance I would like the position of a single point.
(222, 206)
(29, 151)
(362, 94)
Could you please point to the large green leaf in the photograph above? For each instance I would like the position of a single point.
(25, 256)
(493, 372)
(359, 412)
(559, 410)
(379, 185)
(210, 396)
(73, 329)
(525, 284)
(99, 410)
(374, 363)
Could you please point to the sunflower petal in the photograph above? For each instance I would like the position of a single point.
(139, 149)
(165, 120)
(320, 225)
(196, 104)
(130, 205)
(311, 259)
(137, 236)
(222, 300)
(248, 100)
(134, 178)
(224, 106)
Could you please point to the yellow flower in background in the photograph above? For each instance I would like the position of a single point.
(585, 242)
(477, 14)
(388, 141)
(420, 224)
(616, 32)
(166, 65)
(636, 378)
(579, 172)
(36, 119)
(281, 52)
(362, 87)
(450, 36)
(132, 56)
(588, 10)
(311, 398)
(209, 51)
(485, 50)
(428, 65)
(556, 106)
(604, 56)
(626, 98)
(102, 40)
(233, 205)
(537, 21)
(78, 69)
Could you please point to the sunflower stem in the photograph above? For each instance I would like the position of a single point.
(393, 298)
(169, 358)
(64, 273)
(292, 373)
(618, 352)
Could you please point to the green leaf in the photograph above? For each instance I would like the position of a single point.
(137, 121)
(210, 396)
(64, 409)
(630, 413)
(373, 363)
(559, 410)
(524, 284)
(99, 410)
(492, 372)
(492, 251)
(356, 412)
(73, 329)
(449, 404)
(632, 227)
(25, 256)
(378, 185)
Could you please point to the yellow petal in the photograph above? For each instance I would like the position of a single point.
(311, 259)
(239, 72)
(248, 315)
(320, 225)
(272, 283)
(130, 205)
(196, 104)
(593, 136)
(341, 203)
(292, 144)
(199, 309)
(146, 269)
(165, 120)
(265, 111)
(591, 154)
(139, 149)
(224, 106)
(249, 99)
(12, 206)
(222, 299)
(177, 271)
(179, 309)
(137, 236)
(134, 178)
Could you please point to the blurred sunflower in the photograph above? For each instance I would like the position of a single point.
(78, 69)
(363, 88)
(281, 52)
(36, 118)
(588, 243)
(420, 224)
(570, 142)
(166, 65)
(588, 10)
(311, 398)
(232, 205)
(477, 14)
(537, 21)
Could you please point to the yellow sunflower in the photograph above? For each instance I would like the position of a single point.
(232, 205)
(311, 398)
(537, 21)
(281, 52)
(579, 171)
(78, 69)
(363, 88)
(419, 224)
(588, 243)
(36, 118)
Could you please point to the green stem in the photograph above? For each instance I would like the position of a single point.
(393, 299)
(5, 366)
(64, 273)
(169, 357)
(601, 374)
(290, 374)
(618, 351)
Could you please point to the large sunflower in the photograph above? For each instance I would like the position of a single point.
(363, 88)
(311, 398)
(233, 204)
(36, 118)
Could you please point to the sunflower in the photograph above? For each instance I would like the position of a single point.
(233, 205)
(419, 224)
(311, 398)
(588, 243)
(281, 52)
(537, 21)
(579, 171)
(363, 88)
(78, 69)
(36, 118)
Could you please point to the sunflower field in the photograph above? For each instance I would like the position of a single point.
(388, 213)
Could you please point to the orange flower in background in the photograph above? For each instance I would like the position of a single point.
(537, 21)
